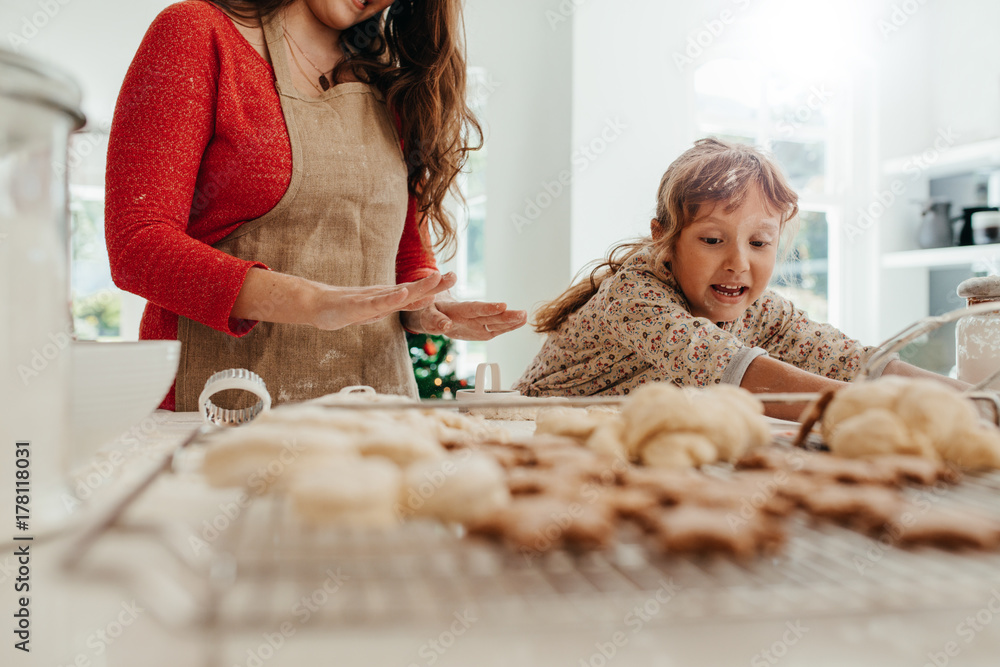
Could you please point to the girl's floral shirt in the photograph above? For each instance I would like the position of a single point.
(638, 328)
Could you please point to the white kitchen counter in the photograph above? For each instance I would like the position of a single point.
(131, 604)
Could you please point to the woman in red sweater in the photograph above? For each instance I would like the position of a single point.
(276, 172)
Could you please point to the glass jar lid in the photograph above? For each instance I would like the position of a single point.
(984, 288)
(32, 81)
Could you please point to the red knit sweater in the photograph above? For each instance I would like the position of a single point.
(199, 146)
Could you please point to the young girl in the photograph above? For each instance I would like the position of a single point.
(690, 303)
(275, 168)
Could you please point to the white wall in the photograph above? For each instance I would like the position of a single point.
(93, 40)
(569, 70)
(528, 124)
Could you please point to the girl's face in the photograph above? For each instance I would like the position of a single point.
(723, 261)
(342, 14)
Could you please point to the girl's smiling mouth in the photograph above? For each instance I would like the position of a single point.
(729, 292)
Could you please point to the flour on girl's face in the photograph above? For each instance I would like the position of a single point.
(723, 261)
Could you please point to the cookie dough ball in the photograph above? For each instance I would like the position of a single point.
(939, 422)
(265, 456)
(401, 445)
(857, 398)
(606, 440)
(572, 422)
(653, 408)
(873, 433)
(730, 419)
(678, 450)
(461, 487)
(356, 492)
(734, 420)
(975, 447)
(934, 410)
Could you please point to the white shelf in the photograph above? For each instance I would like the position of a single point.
(954, 160)
(988, 255)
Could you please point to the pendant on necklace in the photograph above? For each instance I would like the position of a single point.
(324, 83)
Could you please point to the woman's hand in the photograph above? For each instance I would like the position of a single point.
(464, 320)
(269, 296)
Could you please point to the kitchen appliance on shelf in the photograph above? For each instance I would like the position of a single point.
(966, 235)
(935, 225)
(39, 108)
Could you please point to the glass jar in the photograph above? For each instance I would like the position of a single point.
(39, 108)
(978, 336)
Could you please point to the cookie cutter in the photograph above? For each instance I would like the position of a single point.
(479, 393)
(233, 378)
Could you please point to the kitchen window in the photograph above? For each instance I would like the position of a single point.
(799, 121)
(469, 262)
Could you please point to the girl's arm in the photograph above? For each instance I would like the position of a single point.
(897, 367)
(766, 375)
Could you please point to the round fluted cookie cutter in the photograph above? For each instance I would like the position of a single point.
(233, 378)
(480, 393)
(358, 389)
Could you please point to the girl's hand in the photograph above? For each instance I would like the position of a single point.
(464, 320)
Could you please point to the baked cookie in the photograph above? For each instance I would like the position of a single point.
(689, 529)
(949, 529)
(862, 507)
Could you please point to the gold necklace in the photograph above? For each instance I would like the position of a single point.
(323, 81)
(305, 76)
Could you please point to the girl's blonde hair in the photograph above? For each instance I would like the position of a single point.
(713, 171)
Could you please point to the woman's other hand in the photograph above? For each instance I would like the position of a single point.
(269, 296)
(464, 320)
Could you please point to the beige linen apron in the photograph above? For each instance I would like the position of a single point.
(339, 223)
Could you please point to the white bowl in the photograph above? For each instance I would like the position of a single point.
(115, 386)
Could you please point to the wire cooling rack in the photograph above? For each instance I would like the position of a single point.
(267, 566)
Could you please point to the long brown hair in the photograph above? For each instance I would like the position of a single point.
(414, 54)
(712, 171)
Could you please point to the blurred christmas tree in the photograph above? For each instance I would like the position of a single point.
(433, 366)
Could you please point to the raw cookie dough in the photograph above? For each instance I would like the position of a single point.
(461, 487)
(896, 415)
(683, 428)
(359, 492)
(266, 456)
